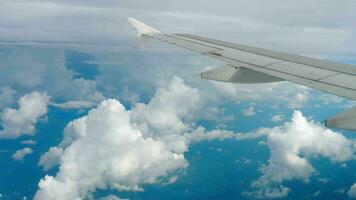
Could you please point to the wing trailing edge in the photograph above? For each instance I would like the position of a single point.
(232, 74)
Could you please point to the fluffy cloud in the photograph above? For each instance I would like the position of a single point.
(129, 147)
(51, 158)
(352, 191)
(277, 118)
(269, 193)
(200, 134)
(250, 111)
(167, 110)
(29, 142)
(20, 154)
(22, 121)
(298, 100)
(74, 104)
(291, 146)
(125, 159)
(110, 197)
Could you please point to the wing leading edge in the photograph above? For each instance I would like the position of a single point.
(247, 64)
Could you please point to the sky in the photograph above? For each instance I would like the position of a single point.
(301, 26)
(86, 113)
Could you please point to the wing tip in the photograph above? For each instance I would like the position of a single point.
(142, 28)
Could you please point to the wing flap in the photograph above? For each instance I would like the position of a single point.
(233, 74)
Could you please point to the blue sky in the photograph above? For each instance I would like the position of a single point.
(86, 114)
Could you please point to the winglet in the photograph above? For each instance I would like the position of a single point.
(142, 29)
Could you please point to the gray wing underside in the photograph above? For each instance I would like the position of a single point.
(330, 77)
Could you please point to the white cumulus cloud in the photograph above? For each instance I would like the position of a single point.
(166, 117)
(352, 191)
(51, 158)
(22, 121)
(116, 148)
(6, 96)
(74, 105)
(291, 146)
(250, 111)
(277, 118)
(298, 100)
(29, 142)
(20, 154)
(111, 197)
(109, 152)
(269, 193)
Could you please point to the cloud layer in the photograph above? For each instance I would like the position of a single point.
(307, 26)
(146, 144)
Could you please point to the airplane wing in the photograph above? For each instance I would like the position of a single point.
(245, 64)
